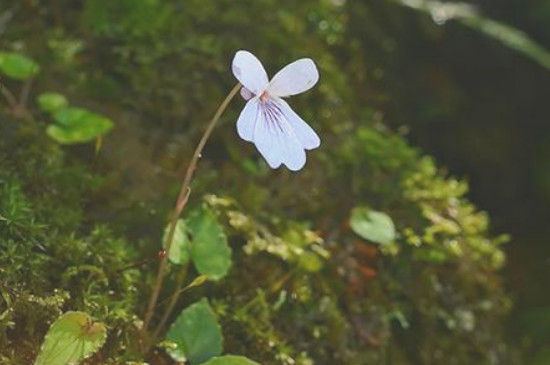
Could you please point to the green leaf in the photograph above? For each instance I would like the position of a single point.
(77, 125)
(230, 360)
(18, 66)
(51, 102)
(179, 251)
(72, 337)
(374, 226)
(209, 249)
(196, 334)
(199, 280)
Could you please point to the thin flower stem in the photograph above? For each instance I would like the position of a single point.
(180, 205)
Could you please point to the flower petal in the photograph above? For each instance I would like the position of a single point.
(249, 71)
(275, 139)
(247, 120)
(294, 78)
(305, 134)
(245, 93)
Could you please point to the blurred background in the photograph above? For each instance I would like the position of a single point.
(435, 113)
(478, 106)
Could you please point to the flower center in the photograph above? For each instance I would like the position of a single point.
(264, 97)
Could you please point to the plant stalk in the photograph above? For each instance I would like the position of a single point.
(180, 205)
(173, 301)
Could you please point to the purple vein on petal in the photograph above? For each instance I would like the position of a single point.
(273, 114)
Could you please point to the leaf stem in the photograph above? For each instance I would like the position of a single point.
(173, 300)
(180, 205)
(12, 101)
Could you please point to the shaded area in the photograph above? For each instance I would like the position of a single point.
(481, 109)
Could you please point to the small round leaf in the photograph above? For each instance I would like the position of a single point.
(373, 226)
(209, 249)
(77, 125)
(17, 66)
(196, 334)
(51, 102)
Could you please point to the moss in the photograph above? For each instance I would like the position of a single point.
(51, 261)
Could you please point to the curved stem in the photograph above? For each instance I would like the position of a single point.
(180, 204)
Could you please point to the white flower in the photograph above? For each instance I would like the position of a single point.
(279, 134)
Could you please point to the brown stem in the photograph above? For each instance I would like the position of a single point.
(173, 301)
(180, 204)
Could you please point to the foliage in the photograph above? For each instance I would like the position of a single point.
(196, 334)
(201, 239)
(51, 102)
(179, 252)
(373, 226)
(17, 66)
(70, 339)
(209, 250)
(77, 125)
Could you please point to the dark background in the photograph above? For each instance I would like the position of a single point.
(482, 109)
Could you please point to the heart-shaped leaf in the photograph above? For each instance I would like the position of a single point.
(374, 226)
(196, 334)
(17, 66)
(230, 360)
(71, 338)
(179, 251)
(51, 102)
(209, 249)
(77, 125)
